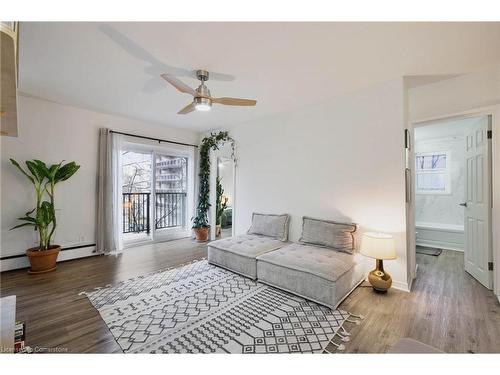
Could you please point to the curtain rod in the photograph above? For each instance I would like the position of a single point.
(153, 139)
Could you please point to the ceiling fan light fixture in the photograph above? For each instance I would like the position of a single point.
(202, 104)
(202, 99)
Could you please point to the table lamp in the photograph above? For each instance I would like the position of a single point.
(379, 246)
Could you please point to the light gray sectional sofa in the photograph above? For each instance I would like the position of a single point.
(322, 267)
(321, 275)
(239, 254)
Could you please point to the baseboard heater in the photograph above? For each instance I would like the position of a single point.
(19, 261)
(443, 236)
(62, 249)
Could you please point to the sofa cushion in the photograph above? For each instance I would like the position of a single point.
(238, 253)
(318, 261)
(275, 226)
(315, 273)
(326, 233)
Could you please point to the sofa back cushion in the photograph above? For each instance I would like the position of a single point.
(275, 226)
(326, 233)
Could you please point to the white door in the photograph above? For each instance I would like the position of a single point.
(477, 206)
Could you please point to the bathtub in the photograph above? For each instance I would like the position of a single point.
(443, 236)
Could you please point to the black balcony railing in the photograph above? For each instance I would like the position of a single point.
(136, 212)
(170, 211)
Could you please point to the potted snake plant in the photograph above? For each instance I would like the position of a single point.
(42, 218)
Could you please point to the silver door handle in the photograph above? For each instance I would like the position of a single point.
(463, 204)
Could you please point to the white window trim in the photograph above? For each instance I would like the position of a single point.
(446, 171)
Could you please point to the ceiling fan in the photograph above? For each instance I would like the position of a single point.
(202, 100)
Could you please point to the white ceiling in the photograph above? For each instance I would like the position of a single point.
(445, 129)
(115, 67)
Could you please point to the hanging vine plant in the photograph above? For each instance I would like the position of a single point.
(200, 221)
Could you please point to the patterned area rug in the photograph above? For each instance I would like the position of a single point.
(201, 308)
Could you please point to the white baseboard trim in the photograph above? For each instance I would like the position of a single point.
(23, 262)
(399, 285)
(440, 245)
(414, 276)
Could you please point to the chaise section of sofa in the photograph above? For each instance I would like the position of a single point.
(319, 274)
(238, 254)
(268, 232)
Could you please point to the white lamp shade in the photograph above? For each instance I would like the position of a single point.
(378, 246)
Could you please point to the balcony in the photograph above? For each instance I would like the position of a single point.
(168, 177)
(173, 163)
(169, 211)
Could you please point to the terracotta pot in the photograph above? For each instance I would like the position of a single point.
(218, 230)
(201, 234)
(43, 261)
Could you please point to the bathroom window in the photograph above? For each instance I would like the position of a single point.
(433, 173)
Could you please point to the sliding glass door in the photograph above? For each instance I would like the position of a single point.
(157, 184)
(136, 195)
(171, 187)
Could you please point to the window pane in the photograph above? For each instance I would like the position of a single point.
(431, 182)
(439, 161)
(431, 162)
(136, 172)
(420, 163)
(171, 191)
(171, 174)
(136, 195)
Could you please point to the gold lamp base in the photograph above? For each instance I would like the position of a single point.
(380, 280)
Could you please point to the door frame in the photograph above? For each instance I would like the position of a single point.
(494, 112)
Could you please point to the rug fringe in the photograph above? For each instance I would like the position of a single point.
(357, 316)
(344, 331)
(339, 347)
(85, 293)
(357, 322)
(343, 334)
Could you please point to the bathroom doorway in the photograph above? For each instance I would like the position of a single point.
(453, 197)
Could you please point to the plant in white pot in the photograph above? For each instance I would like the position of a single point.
(44, 178)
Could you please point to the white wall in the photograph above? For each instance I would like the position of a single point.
(343, 159)
(53, 132)
(467, 92)
(470, 94)
(443, 208)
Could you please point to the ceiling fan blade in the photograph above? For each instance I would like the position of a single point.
(179, 85)
(189, 108)
(234, 101)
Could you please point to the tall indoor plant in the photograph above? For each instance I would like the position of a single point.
(44, 178)
(200, 221)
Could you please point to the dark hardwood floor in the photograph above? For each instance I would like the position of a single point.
(57, 317)
(447, 308)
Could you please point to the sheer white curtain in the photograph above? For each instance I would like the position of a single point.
(109, 202)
